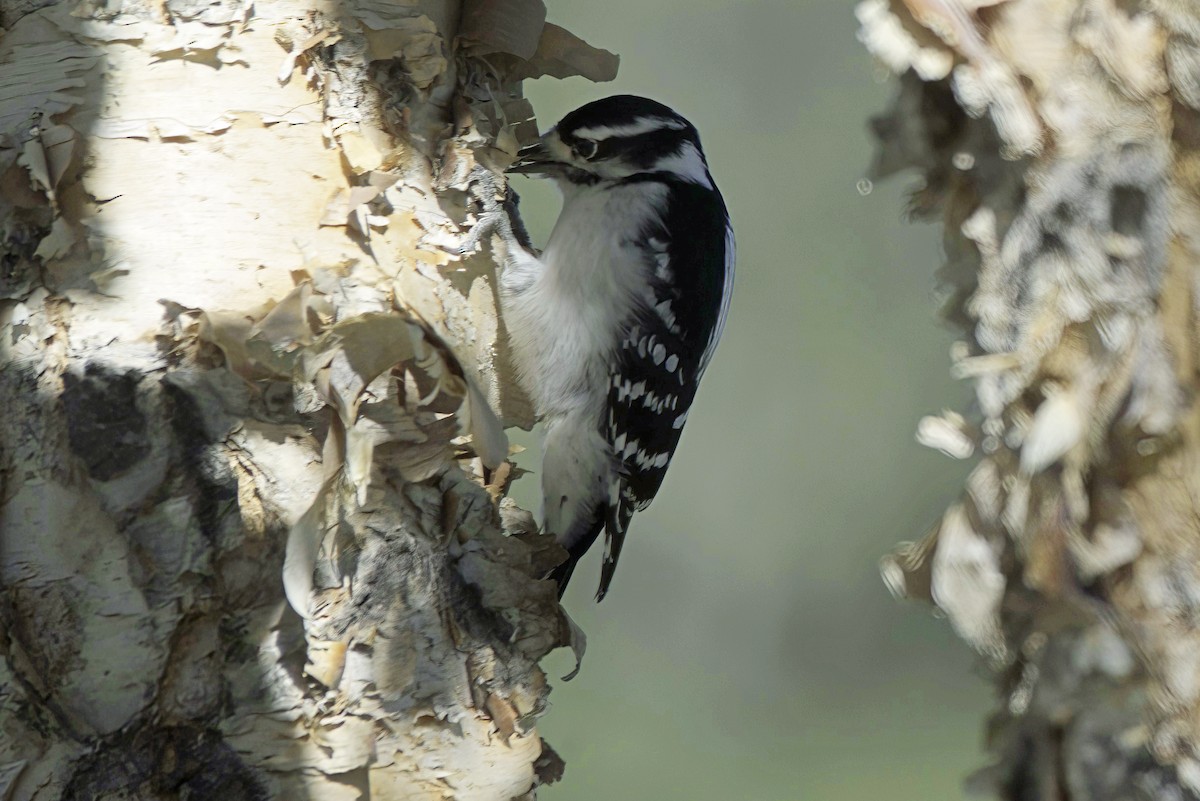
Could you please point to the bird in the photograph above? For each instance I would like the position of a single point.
(612, 325)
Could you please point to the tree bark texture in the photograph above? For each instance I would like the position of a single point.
(242, 357)
(1058, 141)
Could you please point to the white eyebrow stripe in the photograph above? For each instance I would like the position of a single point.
(644, 125)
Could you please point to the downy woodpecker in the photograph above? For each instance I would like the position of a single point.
(614, 323)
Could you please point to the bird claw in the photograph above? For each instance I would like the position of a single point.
(498, 204)
(443, 242)
(486, 224)
(495, 212)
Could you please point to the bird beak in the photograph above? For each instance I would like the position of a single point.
(535, 159)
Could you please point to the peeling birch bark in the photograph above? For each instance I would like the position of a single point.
(1058, 142)
(241, 359)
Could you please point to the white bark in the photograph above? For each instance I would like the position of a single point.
(1057, 140)
(236, 360)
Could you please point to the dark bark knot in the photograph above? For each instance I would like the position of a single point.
(168, 762)
(105, 428)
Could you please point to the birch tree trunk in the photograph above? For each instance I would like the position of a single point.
(241, 360)
(1059, 143)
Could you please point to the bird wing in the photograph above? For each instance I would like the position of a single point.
(666, 348)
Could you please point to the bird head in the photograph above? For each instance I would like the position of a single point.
(616, 139)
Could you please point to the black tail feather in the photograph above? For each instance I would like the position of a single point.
(609, 568)
(562, 574)
(614, 539)
(575, 552)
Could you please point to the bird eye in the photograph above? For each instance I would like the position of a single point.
(586, 149)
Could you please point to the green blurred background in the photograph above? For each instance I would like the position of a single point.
(748, 649)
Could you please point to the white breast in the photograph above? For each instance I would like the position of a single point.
(564, 325)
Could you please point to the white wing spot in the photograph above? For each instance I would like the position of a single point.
(668, 316)
(672, 363)
(659, 354)
(662, 268)
(648, 460)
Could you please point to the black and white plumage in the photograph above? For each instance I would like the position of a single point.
(614, 323)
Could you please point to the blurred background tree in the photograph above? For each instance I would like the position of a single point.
(1057, 143)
